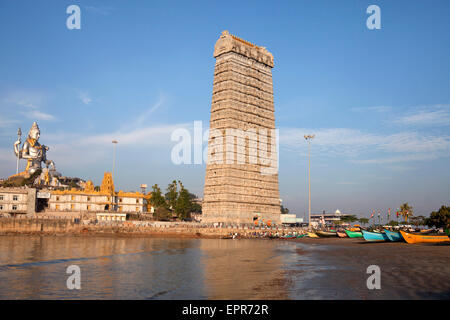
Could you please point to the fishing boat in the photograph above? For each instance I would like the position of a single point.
(312, 235)
(353, 234)
(393, 236)
(342, 234)
(419, 238)
(374, 236)
(326, 234)
(288, 236)
(301, 236)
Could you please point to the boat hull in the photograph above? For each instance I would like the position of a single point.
(288, 237)
(312, 235)
(418, 238)
(393, 236)
(353, 234)
(374, 236)
(342, 234)
(326, 234)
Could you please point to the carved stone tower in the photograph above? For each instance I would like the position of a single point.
(242, 178)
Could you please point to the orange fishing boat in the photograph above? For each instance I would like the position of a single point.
(419, 238)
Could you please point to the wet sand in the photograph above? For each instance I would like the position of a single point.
(122, 266)
(408, 271)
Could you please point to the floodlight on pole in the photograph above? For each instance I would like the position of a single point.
(114, 142)
(19, 137)
(114, 157)
(308, 138)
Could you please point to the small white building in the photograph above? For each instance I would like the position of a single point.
(74, 200)
(326, 218)
(105, 216)
(15, 200)
(133, 202)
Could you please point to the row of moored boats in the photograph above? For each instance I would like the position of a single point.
(380, 235)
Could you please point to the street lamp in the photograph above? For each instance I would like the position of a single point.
(19, 136)
(114, 157)
(308, 139)
(114, 164)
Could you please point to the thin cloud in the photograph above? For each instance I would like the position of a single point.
(427, 115)
(352, 144)
(38, 115)
(104, 11)
(7, 122)
(84, 97)
(142, 118)
(31, 101)
(397, 159)
(375, 109)
(67, 149)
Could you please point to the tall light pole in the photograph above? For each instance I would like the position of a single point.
(19, 136)
(114, 157)
(114, 164)
(308, 139)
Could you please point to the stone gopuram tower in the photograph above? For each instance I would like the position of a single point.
(241, 179)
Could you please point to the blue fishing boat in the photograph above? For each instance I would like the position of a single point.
(374, 236)
(393, 235)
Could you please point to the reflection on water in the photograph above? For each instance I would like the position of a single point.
(244, 269)
(33, 267)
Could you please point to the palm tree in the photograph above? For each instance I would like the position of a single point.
(349, 218)
(363, 221)
(406, 210)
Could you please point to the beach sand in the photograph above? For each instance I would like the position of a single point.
(408, 271)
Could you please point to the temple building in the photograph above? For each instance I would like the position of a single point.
(31, 200)
(104, 199)
(241, 180)
(40, 189)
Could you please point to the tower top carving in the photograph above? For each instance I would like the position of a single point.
(231, 43)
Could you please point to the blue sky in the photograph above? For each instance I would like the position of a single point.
(377, 100)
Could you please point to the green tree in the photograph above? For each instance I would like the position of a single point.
(73, 184)
(284, 210)
(393, 223)
(350, 218)
(363, 221)
(157, 200)
(196, 207)
(418, 221)
(172, 195)
(440, 218)
(183, 205)
(163, 214)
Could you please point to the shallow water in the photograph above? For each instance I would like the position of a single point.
(34, 267)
